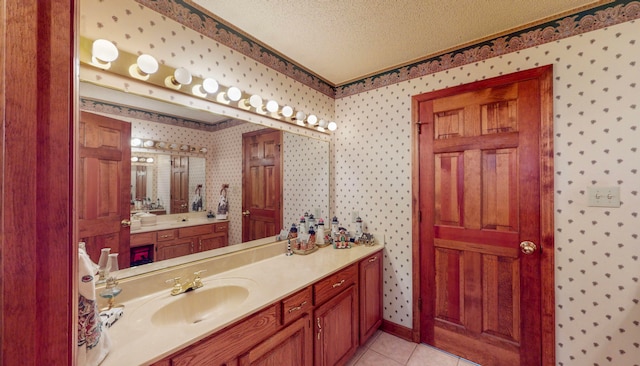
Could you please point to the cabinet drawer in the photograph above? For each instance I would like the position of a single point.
(143, 239)
(296, 305)
(334, 284)
(164, 235)
(221, 227)
(194, 231)
(228, 344)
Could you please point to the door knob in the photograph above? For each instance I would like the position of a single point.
(527, 247)
(125, 223)
(246, 213)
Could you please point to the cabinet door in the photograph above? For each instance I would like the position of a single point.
(292, 346)
(212, 241)
(370, 296)
(336, 329)
(176, 248)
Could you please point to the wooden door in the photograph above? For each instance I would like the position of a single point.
(480, 199)
(179, 184)
(262, 184)
(104, 181)
(336, 328)
(292, 346)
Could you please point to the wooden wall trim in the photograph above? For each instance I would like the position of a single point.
(398, 331)
(37, 272)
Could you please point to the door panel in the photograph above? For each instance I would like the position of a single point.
(262, 189)
(179, 184)
(104, 178)
(480, 192)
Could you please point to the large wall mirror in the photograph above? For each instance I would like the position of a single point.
(216, 160)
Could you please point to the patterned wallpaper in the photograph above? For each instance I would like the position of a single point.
(596, 75)
(596, 144)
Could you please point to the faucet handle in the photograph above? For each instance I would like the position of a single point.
(177, 287)
(197, 281)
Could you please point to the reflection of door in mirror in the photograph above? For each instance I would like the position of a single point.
(262, 188)
(104, 173)
(141, 183)
(179, 184)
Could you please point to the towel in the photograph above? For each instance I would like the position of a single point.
(93, 340)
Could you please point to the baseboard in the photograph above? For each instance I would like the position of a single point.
(397, 330)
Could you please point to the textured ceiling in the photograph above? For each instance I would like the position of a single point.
(346, 40)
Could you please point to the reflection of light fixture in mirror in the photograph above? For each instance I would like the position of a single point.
(181, 76)
(184, 147)
(312, 119)
(286, 111)
(272, 106)
(144, 66)
(234, 94)
(149, 143)
(322, 124)
(332, 126)
(103, 52)
(149, 160)
(203, 150)
(300, 116)
(136, 142)
(161, 145)
(134, 159)
(173, 146)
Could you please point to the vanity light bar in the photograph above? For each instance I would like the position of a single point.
(104, 55)
(166, 146)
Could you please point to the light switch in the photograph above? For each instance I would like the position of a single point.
(604, 196)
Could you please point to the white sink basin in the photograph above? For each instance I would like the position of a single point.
(199, 305)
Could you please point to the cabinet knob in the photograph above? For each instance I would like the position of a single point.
(338, 284)
(373, 259)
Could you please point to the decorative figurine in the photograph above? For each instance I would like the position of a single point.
(320, 239)
(293, 232)
(311, 222)
(358, 228)
(335, 226)
(302, 227)
(342, 240)
(223, 204)
(289, 252)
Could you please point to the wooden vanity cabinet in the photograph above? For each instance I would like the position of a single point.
(370, 296)
(319, 325)
(336, 317)
(192, 239)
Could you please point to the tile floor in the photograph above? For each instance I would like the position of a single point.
(384, 349)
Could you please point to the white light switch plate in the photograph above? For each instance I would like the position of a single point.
(604, 196)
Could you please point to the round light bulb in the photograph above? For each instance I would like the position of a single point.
(149, 143)
(300, 116)
(149, 160)
(332, 126)
(134, 159)
(322, 123)
(312, 119)
(181, 76)
(104, 51)
(147, 64)
(209, 85)
(255, 101)
(136, 142)
(272, 106)
(234, 94)
(287, 111)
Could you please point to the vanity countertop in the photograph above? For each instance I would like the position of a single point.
(137, 340)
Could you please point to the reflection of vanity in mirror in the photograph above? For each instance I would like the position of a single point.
(304, 177)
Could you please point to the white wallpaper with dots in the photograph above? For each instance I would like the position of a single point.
(596, 142)
(597, 117)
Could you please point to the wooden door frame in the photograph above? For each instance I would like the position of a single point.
(38, 245)
(544, 74)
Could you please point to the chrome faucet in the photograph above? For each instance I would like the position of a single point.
(179, 288)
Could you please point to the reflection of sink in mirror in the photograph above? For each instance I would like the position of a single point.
(195, 306)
